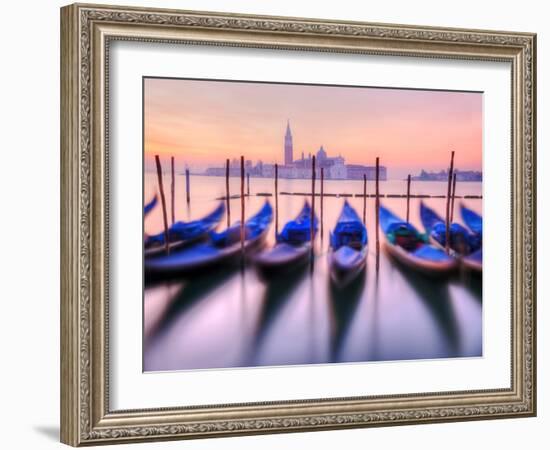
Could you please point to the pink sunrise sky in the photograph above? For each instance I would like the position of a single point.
(201, 123)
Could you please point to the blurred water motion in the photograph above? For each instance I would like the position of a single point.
(229, 318)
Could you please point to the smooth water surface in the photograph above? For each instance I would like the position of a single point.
(231, 318)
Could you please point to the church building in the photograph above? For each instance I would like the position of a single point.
(335, 167)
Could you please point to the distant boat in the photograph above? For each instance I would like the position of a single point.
(293, 245)
(149, 206)
(220, 248)
(183, 233)
(411, 248)
(474, 222)
(348, 242)
(462, 242)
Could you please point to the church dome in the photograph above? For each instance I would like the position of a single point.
(321, 154)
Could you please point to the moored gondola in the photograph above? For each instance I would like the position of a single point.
(293, 245)
(411, 248)
(474, 222)
(150, 206)
(184, 233)
(220, 248)
(462, 242)
(348, 247)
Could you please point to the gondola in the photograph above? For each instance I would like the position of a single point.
(412, 249)
(462, 242)
(348, 247)
(472, 220)
(220, 248)
(149, 206)
(293, 245)
(184, 233)
(475, 223)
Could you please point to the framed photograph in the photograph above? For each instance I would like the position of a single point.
(277, 224)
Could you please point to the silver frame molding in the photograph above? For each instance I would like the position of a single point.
(86, 32)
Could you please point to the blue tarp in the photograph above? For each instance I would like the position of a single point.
(253, 227)
(462, 240)
(472, 219)
(298, 231)
(188, 231)
(349, 230)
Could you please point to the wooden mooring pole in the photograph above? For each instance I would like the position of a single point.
(227, 199)
(276, 200)
(377, 203)
(453, 197)
(364, 198)
(322, 194)
(248, 184)
(187, 187)
(408, 195)
(172, 192)
(163, 202)
(242, 210)
(448, 206)
(312, 218)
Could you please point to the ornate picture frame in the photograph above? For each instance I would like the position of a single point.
(86, 34)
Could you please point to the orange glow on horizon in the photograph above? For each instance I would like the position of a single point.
(202, 123)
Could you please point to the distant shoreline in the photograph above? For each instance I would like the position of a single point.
(436, 181)
(283, 178)
(309, 178)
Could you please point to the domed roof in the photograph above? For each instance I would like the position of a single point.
(321, 154)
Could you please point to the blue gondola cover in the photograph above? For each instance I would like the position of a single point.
(253, 227)
(298, 231)
(472, 219)
(188, 231)
(349, 231)
(399, 232)
(462, 240)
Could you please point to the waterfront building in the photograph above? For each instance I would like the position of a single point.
(356, 172)
(268, 170)
(335, 167)
(338, 172)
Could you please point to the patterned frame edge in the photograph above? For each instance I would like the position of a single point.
(85, 416)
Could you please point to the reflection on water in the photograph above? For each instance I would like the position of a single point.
(344, 302)
(229, 318)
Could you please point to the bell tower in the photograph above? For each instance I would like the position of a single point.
(288, 145)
